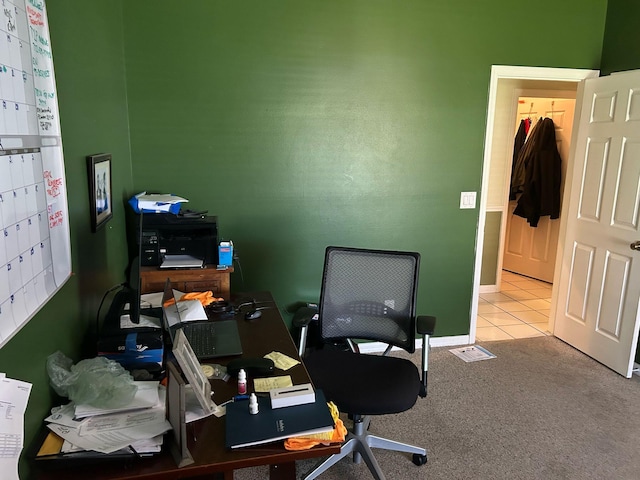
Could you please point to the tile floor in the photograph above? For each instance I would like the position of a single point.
(519, 310)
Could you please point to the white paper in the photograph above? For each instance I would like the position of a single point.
(153, 300)
(64, 416)
(112, 432)
(148, 445)
(191, 311)
(145, 321)
(14, 396)
(473, 353)
(157, 201)
(111, 440)
(185, 311)
(116, 421)
(181, 261)
(146, 396)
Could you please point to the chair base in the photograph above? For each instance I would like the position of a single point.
(359, 443)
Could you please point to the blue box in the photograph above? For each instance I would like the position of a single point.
(134, 350)
(225, 254)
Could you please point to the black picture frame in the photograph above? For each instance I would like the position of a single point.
(100, 191)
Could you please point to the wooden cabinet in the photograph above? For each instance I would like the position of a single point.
(188, 280)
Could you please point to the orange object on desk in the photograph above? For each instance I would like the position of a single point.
(336, 435)
(206, 298)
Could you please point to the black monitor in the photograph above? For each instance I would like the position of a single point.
(134, 290)
(134, 283)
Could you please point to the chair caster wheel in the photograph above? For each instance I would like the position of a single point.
(419, 459)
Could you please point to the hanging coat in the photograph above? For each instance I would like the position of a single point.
(542, 175)
(517, 174)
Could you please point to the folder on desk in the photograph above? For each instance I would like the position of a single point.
(51, 454)
(270, 425)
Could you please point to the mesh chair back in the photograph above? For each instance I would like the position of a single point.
(369, 294)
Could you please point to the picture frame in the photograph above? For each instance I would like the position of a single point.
(100, 191)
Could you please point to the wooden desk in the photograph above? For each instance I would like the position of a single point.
(206, 437)
(187, 280)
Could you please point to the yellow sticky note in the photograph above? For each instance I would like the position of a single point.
(282, 361)
(263, 385)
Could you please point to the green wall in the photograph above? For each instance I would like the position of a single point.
(303, 124)
(621, 48)
(300, 124)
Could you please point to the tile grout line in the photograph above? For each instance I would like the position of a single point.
(526, 285)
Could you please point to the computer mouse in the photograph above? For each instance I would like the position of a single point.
(253, 314)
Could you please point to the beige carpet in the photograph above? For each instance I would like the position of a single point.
(540, 410)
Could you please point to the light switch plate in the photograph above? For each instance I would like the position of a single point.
(468, 200)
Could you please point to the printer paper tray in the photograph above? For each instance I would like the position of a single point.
(181, 261)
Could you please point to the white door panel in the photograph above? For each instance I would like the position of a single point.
(532, 251)
(599, 282)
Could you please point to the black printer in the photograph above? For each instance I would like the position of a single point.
(169, 234)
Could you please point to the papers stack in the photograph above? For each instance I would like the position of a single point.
(14, 395)
(138, 426)
(156, 203)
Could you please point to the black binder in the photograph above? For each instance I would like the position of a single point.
(270, 425)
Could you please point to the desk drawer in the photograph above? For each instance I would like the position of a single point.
(188, 280)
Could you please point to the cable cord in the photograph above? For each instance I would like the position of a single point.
(237, 260)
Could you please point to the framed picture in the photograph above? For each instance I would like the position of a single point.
(100, 197)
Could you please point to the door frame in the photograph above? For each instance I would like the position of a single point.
(498, 74)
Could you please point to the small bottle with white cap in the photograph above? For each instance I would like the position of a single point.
(253, 404)
(242, 382)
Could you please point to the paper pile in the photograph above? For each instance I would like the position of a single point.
(156, 203)
(139, 425)
(14, 395)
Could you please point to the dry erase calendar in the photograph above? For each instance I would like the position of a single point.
(35, 249)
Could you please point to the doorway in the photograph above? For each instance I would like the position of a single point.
(508, 84)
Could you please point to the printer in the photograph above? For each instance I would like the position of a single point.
(169, 234)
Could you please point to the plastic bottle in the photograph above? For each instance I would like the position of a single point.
(253, 404)
(242, 382)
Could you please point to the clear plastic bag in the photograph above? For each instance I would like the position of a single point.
(214, 371)
(98, 381)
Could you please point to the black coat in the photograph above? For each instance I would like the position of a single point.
(542, 167)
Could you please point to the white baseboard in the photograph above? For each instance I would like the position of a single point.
(378, 347)
(489, 289)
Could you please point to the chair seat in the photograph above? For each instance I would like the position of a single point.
(347, 380)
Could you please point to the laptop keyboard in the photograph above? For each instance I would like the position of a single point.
(201, 338)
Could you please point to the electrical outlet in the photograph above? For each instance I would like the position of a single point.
(468, 200)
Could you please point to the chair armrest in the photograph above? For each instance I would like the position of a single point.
(301, 320)
(304, 316)
(426, 324)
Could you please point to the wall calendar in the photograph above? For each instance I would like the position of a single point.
(35, 246)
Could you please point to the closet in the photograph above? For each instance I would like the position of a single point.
(528, 250)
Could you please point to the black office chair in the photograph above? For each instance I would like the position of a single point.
(371, 295)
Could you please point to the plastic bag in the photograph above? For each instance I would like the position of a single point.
(98, 381)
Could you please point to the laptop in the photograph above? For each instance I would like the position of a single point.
(207, 339)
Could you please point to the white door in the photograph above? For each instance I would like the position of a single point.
(532, 251)
(596, 309)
